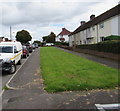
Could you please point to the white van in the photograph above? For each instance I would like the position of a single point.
(10, 55)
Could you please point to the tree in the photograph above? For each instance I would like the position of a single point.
(50, 38)
(23, 36)
(45, 38)
(38, 42)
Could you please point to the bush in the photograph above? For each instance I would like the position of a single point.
(112, 46)
(112, 37)
(62, 43)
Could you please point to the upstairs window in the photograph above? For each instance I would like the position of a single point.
(89, 30)
(101, 25)
(93, 28)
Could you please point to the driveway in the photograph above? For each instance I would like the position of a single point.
(30, 93)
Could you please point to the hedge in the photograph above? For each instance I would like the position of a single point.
(112, 37)
(62, 43)
(111, 46)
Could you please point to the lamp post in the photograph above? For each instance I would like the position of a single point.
(10, 33)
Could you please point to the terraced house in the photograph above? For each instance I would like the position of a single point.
(97, 28)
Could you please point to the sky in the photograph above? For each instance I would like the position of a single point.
(40, 17)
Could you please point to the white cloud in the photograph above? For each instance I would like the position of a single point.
(43, 16)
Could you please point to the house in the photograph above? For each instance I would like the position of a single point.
(97, 28)
(63, 35)
(3, 39)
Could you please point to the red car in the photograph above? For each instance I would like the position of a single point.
(25, 52)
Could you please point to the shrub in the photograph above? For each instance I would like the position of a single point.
(112, 37)
(62, 43)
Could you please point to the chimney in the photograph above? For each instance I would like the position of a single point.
(92, 17)
(6, 39)
(63, 29)
(82, 22)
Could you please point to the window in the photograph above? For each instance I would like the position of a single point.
(101, 25)
(6, 49)
(93, 28)
(15, 48)
(89, 29)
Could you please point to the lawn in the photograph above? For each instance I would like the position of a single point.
(64, 71)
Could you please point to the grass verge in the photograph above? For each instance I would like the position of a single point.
(64, 71)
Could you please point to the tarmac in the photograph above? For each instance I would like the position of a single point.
(30, 93)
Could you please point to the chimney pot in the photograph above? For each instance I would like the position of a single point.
(82, 22)
(63, 28)
(92, 17)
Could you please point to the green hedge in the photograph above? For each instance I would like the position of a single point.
(112, 37)
(62, 43)
(112, 46)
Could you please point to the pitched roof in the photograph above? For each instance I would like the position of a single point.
(106, 15)
(64, 32)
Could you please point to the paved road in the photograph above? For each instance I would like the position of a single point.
(31, 93)
(6, 76)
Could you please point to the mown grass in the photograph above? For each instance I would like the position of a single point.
(64, 71)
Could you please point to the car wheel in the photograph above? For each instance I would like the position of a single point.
(19, 62)
(13, 69)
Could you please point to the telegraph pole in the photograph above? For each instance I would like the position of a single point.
(10, 34)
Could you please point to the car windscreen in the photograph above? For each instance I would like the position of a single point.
(6, 49)
(24, 47)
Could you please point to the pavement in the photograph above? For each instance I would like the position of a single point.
(30, 93)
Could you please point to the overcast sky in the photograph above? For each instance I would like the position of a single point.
(40, 17)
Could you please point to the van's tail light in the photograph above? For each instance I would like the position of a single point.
(24, 51)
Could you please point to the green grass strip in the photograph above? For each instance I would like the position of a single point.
(64, 71)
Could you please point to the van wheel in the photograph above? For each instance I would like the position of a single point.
(19, 62)
(13, 69)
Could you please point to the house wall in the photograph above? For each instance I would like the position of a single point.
(119, 25)
(57, 39)
(71, 40)
(95, 33)
(105, 31)
(114, 23)
(64, 36)
(83, 37)
(78, 38)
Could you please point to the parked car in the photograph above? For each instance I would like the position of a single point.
(25, 51)
(49, 44)
(10, 55)
(33, 45)
(36, 45)
(29, 47)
